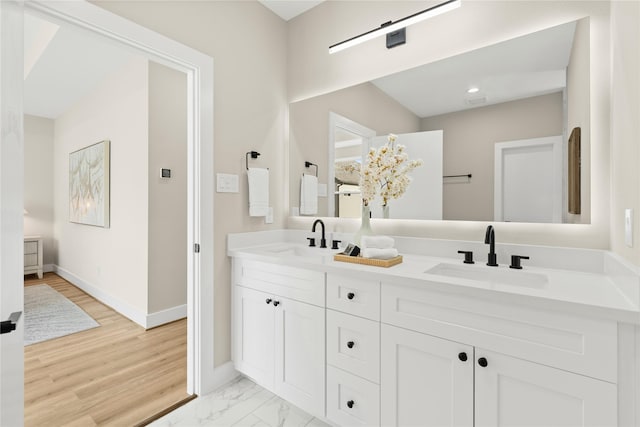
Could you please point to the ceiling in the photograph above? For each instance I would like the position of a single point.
(526, 66)
(288, 9)
(63, 64)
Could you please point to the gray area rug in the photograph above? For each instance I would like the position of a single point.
(48, 314)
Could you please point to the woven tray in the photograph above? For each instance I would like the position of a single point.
(369, 261)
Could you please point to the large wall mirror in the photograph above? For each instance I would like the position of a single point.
(505, 113)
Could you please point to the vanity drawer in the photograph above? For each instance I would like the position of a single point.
(354, 296)
(576, 344)
(30, 260)
(351, 400)
(295, 283)
(353, 344)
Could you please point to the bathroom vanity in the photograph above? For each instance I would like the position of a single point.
(433, 341)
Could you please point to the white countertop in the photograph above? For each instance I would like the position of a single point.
(591, 292)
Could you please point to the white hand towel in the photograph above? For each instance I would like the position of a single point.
(376, 242)
(308, 194)
(258, 191)
(380, 253)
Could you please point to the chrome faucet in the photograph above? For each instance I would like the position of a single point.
(490, 239)
(323, 240)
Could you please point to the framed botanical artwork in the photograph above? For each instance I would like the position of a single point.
(89, 185)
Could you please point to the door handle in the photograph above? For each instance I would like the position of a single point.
(9, 325)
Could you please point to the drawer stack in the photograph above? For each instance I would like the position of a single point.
(353, 351)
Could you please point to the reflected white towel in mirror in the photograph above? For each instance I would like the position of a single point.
(308, 195)
(258, 191)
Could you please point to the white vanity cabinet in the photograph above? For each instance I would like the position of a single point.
(450, 360)
(278, 341)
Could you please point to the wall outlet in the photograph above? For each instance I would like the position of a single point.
(628, 227)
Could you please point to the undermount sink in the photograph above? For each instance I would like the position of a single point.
(299, 251)
(501, 275)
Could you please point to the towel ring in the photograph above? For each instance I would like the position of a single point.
(307, 164)
(254, 155)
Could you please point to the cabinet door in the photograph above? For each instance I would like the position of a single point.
(424, 380)
(254, 320)
(514, 392)
(300, 354)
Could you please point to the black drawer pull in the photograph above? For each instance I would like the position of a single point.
(268, 300)
(483, 362)
(462, 356)
(350, 344)
(350, 295)
(350, 404)
(276, 303)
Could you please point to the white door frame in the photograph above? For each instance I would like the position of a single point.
(556, 144)
(336, 121)
(199, 70)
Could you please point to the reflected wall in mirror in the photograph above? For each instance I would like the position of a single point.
(530, 87)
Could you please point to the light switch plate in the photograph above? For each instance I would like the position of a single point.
(322, 190)
(628, 227)
(226, 183)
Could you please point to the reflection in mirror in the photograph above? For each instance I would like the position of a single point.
(531, 87)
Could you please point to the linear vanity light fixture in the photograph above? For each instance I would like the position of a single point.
(391, 26)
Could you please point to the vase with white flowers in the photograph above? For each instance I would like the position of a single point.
(385, 171)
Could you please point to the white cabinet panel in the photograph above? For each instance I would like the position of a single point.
(423, 380)
(351, 400)
(514, 392)
(353, 344)
(576, 344)
(354, 296)
(254, 325)
(295, 283)
(299, 354)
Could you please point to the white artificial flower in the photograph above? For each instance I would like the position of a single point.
(386, 168)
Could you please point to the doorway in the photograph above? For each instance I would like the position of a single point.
(199, 70)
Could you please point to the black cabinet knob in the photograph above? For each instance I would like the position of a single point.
(462, 356)
(350, 404)
(268, 300)
(483, 362)
(350, 295)
(350, 344)
(276, 303)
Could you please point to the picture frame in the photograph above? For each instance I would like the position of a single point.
(89, 179)
(573, 179)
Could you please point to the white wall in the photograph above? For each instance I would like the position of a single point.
(167, 197)
(113, 260)
(38, 183)
(625, 125)
(248, 43)
(312, 71)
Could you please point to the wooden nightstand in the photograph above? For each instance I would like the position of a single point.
(33, 255)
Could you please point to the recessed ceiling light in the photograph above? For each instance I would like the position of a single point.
(473, 90)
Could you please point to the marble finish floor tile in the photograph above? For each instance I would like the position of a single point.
(241, 403)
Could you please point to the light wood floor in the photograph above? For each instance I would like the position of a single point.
(117, 374)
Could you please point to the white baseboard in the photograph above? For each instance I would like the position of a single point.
(121, 307)
(166, 316)
(223, 374)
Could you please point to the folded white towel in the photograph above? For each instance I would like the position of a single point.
(380, 253)
(308, 195)
(258, 191)
(377, 242)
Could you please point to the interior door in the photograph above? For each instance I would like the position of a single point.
(11, 214)
(423, 198)
(528, 180)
